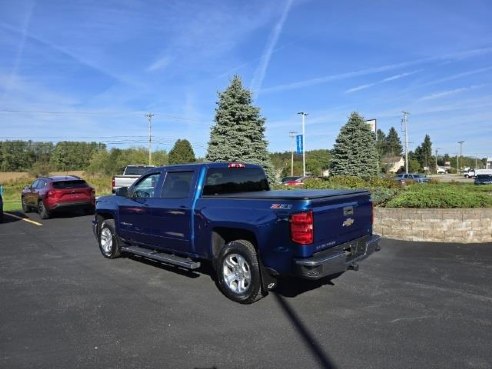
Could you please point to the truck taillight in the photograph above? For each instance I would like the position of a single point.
(113, 183)
(301, 228)
(236, 165)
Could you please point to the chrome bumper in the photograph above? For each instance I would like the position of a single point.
(337, 259)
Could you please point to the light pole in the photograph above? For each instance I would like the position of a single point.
(303, 143)
(149, 117)
(404, 122)
(292, 134)
(458, 160)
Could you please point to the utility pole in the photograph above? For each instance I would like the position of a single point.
(437, 148)
(404, 122)
(149, 117)
(303, 143)
(457, 160)
(292, 134)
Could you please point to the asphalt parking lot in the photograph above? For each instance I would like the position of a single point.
(412, 305)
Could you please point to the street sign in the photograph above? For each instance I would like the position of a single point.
(299, 147)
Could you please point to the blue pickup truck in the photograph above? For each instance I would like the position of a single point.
(226, 214)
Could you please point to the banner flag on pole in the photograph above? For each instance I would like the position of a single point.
(299, 147)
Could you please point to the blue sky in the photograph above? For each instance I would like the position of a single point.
(91, 70)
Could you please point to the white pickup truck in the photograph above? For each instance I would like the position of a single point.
(130, 175)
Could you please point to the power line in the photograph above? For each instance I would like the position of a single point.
(102, 113)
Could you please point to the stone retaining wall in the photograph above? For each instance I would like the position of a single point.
(436, 225)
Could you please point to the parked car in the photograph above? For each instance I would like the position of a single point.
(483, 179)
(49, 194)
(441, 170)
(289, 179)
(130, 174)
(470, 173)
(295, 181)
(418, 178)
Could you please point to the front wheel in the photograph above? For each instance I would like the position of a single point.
(25, 207)
(108, 240)
(238, 272)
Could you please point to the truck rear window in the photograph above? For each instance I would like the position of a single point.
(221, 181)
(135, 171)
(70, 184)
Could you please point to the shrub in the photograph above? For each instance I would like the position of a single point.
(381, 195)
(440, 197)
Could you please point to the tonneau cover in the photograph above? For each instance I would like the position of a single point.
(289, 195)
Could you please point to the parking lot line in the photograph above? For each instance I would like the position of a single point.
(24, 219)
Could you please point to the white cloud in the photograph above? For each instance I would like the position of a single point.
(159, 64)
(455, 91)
(267, 54)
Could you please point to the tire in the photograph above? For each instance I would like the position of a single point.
(238, 272)
(25, 207)
(43, 212)
(109, 243)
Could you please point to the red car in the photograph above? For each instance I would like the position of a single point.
(294, 181)
(50, 194)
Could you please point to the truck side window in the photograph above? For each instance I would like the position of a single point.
(222, 181)
(146, 186)
(177, 185)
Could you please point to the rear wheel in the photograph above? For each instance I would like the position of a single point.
(109, 243)
(43, 212)
(238, 272)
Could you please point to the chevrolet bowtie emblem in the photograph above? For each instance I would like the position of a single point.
(348, 222)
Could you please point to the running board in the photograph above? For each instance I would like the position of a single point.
(161, 256)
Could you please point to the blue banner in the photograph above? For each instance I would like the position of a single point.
(299, 142)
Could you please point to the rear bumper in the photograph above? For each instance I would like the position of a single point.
(337, 259)
(70, 205)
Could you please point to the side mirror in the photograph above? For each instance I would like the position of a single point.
(122, 191)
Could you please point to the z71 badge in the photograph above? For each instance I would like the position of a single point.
(281, 206)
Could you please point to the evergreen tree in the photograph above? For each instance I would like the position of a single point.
(423, 153)
(393, 145)
(239, 131)
(426, 152)
(355, 153)
(182, 152)
(380, 143)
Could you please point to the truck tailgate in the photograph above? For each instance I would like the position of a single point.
(341, 219)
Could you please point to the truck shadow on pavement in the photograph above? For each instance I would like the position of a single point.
(292, 287)
(286, 287)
